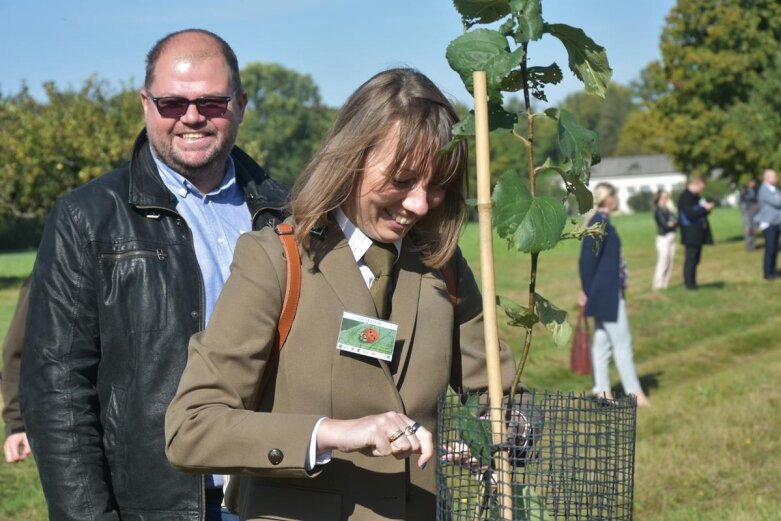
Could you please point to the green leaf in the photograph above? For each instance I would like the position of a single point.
(519, 315)
(498, 119)
(483, 50)
(481, 11)
(587, 60)
(577, 144)
(572, 183)
(554, 319)
(475, 432)
(531, 224)
(538, 77)
(530, 23)
(527, 505)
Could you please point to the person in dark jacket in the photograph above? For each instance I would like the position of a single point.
(695, 230)
(603, 279)
(128, 269)
(666, 223)
(749, 206)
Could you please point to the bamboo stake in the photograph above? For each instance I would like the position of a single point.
(491, 330)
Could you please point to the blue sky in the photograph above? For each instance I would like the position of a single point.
(340, 43)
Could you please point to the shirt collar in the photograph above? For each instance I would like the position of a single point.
(182, 187)
(358, 241)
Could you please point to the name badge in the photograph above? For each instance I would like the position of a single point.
(367, 336)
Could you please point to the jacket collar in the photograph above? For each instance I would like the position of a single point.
(263, 194)
(333, 257)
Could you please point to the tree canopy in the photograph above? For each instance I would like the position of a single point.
(705, 97)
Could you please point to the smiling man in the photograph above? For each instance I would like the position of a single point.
(129, 267)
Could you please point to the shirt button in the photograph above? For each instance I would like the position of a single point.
(183, 191)
(275, 456)
(194, 314)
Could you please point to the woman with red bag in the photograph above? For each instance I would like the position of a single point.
(603, 278)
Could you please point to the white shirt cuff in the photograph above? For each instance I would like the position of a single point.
(311, 454)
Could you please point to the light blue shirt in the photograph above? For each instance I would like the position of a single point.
(215, 220)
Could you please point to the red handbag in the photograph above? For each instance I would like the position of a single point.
(580, 357)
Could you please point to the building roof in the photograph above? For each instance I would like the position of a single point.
(634, 165)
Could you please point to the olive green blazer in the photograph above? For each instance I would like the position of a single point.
(210, 429)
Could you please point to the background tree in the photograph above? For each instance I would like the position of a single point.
(51, 147)
(285, 119)
(714, 56)
(605, 116)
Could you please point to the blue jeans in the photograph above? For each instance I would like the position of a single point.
(615, 337)
(771, 251)
(214, 509)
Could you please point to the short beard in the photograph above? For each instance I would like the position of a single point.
(210, 171)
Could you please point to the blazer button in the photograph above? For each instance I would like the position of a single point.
(275, 456)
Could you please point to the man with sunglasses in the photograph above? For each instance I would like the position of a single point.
(129, 267)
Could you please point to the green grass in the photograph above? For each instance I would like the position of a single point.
(708, 448)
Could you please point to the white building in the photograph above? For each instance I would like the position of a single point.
(633, 174)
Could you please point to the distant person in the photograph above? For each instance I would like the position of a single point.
(769, 221)
(749, 206)
(16, 447)
(603, 279)
(128, 269)
(693, 213)
(666, 223)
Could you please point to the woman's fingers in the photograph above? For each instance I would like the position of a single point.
(386, 434)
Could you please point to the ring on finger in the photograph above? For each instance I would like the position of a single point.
(396, 435)
(412, 428)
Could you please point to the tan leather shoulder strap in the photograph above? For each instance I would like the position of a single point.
(289, 304)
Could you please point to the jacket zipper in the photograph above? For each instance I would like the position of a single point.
(159, 253)
(201, 320)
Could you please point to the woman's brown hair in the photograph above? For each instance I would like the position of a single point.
(425, 118)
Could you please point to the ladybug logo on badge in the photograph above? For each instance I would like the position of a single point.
(369, 335)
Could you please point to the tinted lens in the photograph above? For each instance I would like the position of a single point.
(212, 107)
(176, 107)
(172, 107)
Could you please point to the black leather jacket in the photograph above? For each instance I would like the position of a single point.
(116, 295)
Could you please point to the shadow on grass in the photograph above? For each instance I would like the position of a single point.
(648, 382)
(11, 282)
(713, 285)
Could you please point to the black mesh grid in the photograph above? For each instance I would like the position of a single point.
(575, 461)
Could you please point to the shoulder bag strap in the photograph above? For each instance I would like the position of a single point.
(289, 304)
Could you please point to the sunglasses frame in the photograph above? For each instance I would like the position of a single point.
(198, 102)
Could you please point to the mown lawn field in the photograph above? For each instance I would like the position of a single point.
(707, 449)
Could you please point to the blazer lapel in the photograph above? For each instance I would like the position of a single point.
(335, 260)
(404, 310)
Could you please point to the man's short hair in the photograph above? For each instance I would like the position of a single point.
(227, 52)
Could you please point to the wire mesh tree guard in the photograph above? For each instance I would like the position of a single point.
(571, 458)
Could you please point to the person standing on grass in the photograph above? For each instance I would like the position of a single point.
(16, 447)
(693, 213)
(666, 223)
(603, 279)
(128, 269)
(769, 220)
(749, 206)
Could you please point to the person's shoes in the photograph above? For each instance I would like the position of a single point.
(692, 288)
(642, 399)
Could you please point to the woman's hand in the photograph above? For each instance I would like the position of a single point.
(582, 299)
(386, 434)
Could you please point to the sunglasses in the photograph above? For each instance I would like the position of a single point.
(176, 106)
